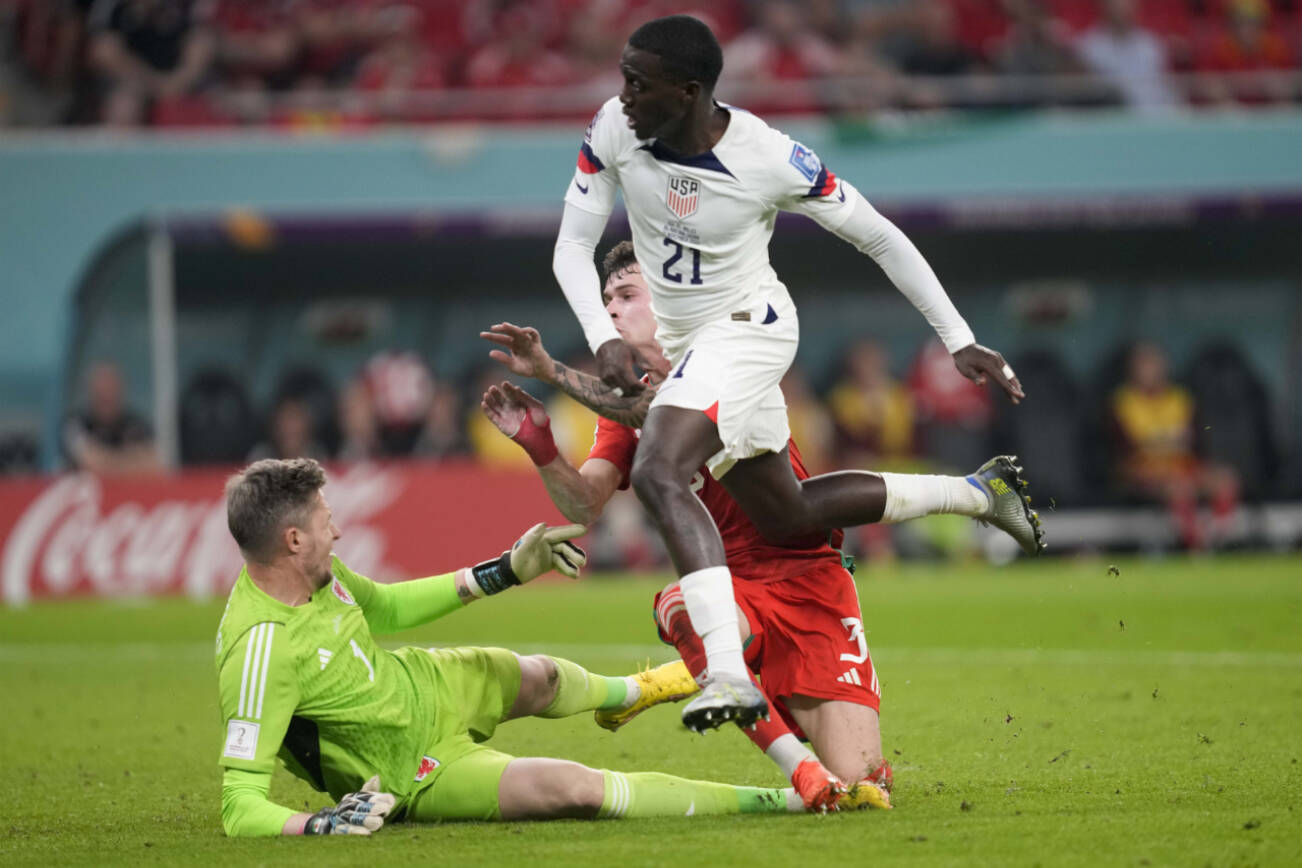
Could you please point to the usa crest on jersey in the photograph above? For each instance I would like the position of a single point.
(684, 196)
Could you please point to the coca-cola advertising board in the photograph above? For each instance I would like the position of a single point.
(80, 535)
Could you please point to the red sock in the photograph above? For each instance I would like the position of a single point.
(671, 614)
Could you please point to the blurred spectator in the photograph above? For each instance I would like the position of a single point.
(48, 39)
(401, 65)
(931, 47)
(107, 436)
(18, 450)
(597, 31)
(215, 419)
(359, 430)
(1244, 42)
(401, 388)
(953, 413)
(873, 416)
(811, 426)
(336, 34)
(149, 50)
(309, 384)
(1153, 419)
(780, 48)
(518, 55)
(1037, 43)
(290, 433)
(444, 432)
(873, 413)
(258, 49)
(1131, 58)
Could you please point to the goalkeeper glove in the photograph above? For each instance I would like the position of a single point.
(542, 548)
(356, 814)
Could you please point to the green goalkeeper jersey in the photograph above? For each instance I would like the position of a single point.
(309, 684)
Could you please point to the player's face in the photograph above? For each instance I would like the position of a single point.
(653, 103)
(629, 304)
(321, 534)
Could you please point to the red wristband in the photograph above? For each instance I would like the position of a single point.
(537, 440)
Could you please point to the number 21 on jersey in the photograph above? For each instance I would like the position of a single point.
(673, 260)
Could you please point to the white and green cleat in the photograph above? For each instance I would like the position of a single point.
(1010, 507)
(667, 683)
(725, 698)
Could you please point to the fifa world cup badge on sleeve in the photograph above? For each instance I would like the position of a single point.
(241, 740)
(806, 161)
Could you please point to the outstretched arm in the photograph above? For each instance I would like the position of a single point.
(580, 494)
(247, 812)
(399, 606)
(873, 234)
(602, 399)
(521, 351)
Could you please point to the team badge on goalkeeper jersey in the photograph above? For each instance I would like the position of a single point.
(342, 593)
(427, 765)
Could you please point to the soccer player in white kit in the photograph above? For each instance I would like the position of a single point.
(702, 184)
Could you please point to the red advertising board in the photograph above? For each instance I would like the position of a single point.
(79, 535)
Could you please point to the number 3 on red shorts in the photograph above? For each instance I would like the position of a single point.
(855, 626)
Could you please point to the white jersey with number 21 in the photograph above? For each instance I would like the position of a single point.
(701, 224)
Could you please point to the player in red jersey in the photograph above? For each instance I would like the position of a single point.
(797, 604)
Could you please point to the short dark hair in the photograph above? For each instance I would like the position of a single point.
(268, 496)
(617, 258)
(685, 45)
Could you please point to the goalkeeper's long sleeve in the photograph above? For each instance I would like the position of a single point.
(401, 605)
(246, 810)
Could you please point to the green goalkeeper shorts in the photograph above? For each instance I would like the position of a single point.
(474, 689)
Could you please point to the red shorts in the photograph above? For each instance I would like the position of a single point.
(808, 638)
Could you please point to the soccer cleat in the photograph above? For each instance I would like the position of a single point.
(865, 795)
(819, 789)
(725, 698)
(1010, 507)
(668, 683)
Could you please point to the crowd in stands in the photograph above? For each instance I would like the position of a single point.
(342, 63)
(1154, 440)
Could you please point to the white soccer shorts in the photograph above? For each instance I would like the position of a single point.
(734, 366)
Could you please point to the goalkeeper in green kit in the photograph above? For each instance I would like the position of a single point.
(398, 734)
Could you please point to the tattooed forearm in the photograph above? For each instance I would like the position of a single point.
(601, 399)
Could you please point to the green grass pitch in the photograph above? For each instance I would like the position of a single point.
(1049, 713)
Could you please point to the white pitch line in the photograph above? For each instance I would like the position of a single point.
(81, 652)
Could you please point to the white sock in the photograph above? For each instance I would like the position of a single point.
(795, 804)
(633, 692)
(712, 609)
(787, 752)
(911, 495)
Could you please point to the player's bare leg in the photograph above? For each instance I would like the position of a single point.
(675, 443)
(848, 739)
(785, 508)
(846, 736)
(554, 687)
(536, 788)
